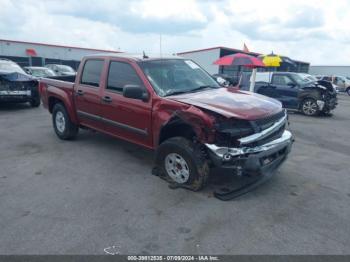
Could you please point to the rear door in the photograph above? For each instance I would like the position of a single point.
(285, 90)
(124, 117)
(87, 93)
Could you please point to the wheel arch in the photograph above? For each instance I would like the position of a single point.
(176, 127)
(52, 100)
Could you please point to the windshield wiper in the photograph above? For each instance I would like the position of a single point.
(202, 87)
(177, 92)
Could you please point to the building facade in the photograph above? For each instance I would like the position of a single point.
(206, 57)
(330, 70)
(39, 54)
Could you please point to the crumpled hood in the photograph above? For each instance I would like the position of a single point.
(15, 76)
(231, 102)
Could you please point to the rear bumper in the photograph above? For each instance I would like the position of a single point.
(260, 160)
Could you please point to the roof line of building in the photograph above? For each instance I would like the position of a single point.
(62, 46)
(330, 65)
(228, 48)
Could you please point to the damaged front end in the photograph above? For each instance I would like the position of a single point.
(17, 87)
(250, 148)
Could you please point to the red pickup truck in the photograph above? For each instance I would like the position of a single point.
(175, 107)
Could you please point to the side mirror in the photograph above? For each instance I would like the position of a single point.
(135, 92)
(290, 84)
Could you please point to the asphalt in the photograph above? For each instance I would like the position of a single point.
(97, 194)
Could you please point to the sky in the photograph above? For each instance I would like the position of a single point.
(313, 31)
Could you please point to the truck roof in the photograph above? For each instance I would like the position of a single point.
(136, 57)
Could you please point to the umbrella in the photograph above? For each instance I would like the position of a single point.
(241, 59)
(273, 60)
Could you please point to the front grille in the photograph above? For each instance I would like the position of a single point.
(230, 131)
(266, 122)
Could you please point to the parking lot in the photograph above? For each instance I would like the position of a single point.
(97, 194)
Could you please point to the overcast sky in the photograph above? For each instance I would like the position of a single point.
(314, 30)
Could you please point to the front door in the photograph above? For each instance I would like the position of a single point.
(286, 90)
(124, 117)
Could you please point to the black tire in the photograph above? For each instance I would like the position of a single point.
(67, 130)
(35, 102)
(192, 154)
(348, 91)
(309, 107)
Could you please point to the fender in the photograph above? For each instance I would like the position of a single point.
(66, 99)
(167, 111)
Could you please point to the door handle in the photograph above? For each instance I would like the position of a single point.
(107, 99)
(80, 92)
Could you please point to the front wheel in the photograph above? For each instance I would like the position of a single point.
(64, 128)
(309, 107)
(35, 102)
(348, 91)
(182, 163)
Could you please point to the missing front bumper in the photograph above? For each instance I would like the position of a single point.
(259, 162)
(226, 157)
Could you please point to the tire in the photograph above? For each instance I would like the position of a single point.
(182, 163)
(309, 107)
(35, 102)
(63, 126)
(348, 91)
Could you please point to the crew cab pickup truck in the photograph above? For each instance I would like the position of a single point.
(297, 92)
(173, 106)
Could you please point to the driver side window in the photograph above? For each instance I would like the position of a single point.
(281, 80)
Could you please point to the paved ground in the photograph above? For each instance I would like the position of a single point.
(96, 192)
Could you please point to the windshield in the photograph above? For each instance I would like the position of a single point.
(175, 76)
(308, 77)
(10, 67)
(64, 68)
(42, 72)
(301, 79)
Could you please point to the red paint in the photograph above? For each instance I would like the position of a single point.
(199, 110)
(231, 102)
(31, 52)
(239, 59)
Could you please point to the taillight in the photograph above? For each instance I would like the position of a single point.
(41, 87)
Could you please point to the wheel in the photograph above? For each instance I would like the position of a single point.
(309, 107)
(62, 124)
(183, 163)
(348, 91)
(35, 102)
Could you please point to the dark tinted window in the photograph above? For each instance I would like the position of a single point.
(281, 80)
(121, 74)
(92, 72)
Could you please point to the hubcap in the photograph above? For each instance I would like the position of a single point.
(177, 168)
(310, 107)
(60, 122)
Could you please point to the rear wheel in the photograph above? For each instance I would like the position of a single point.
(64, 128)
(348, 91)
(309, 107)
(182, 163)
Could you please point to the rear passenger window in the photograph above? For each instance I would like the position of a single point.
(92, 72)
(121, 74)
